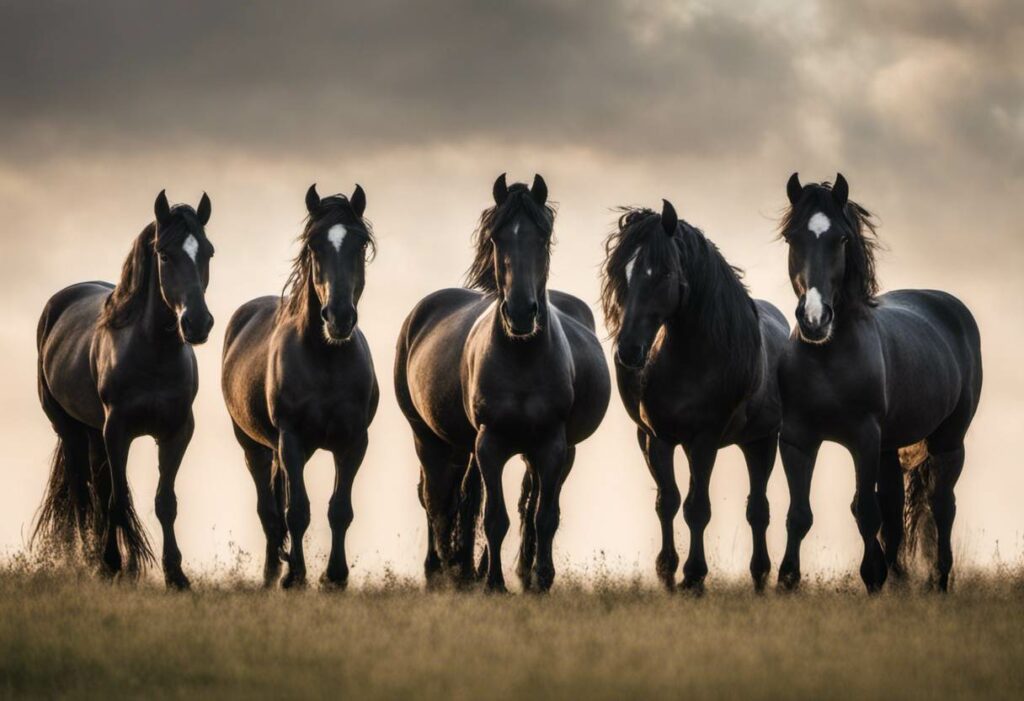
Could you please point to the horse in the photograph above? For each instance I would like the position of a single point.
(499, 368)
(874, 373)
(298, 376)
(696, 361)
(116, 363)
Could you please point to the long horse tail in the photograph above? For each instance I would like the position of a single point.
(132, 538)
(68, 509)
(919, 534)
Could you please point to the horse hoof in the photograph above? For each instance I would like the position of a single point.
(329, 583)
(177, 581)
(789, 581)
(294, 581)
(693, 587)
(760, 582)
(496, 588)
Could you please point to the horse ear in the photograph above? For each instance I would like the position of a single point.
(358, 200)
(840, 191)
(204, 209)
(539, 190)
(500, 190)
(161, 208)
(669, 218)
(312, 199)
(794, 189)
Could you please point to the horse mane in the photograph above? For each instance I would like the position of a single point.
(480, 275)
(126, 302)
(715, 299)
(295, 294)
(860, 283)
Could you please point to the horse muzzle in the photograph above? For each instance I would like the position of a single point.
(195, 327)
(521, 322)
(632, 356)
(814, 318)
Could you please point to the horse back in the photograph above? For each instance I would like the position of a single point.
(64, 339)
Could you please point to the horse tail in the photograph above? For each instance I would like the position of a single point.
(919, 535)
(67, 511)
(132, 538)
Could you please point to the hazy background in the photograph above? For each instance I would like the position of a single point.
(102, 104)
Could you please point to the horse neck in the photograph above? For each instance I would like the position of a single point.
(158, 322)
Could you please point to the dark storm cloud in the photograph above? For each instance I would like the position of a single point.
(604, 75)
(597, 74)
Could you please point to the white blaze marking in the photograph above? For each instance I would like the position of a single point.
(515, 229)
(191, 247)
(630, 265)
(812, 305)
(336, 234)
(819, 224)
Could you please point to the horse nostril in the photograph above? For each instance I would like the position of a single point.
(325, 315)
(826, 315)
(534, 308)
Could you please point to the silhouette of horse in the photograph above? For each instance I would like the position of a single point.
(116, 363)
(501, 369)
(874, 373)
(298, 376)
(696, 361)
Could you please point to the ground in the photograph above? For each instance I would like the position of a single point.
(67, 633)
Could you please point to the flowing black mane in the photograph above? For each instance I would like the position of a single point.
(480, 275)
(128, 299)
(335, 209)
(860, 283)
(715, 298)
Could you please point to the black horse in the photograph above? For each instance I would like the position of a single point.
(874, 373)
(501, 369)
(116, 363)
(696, 360)
(298, 377)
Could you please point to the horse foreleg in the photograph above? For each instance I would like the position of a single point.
(527, 516)
(492, 452)
(339, 512)
(866, 451)
(293, 457)
(760, 458)
(891, 500)
(116, 441)
(170, 453)
(946, 467)
(659, 457)
(552, 462)
(701, 454)
(798, 463)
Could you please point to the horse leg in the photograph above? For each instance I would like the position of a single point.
(798, 464)
(946, 468)
(339, 512)
(121, 519)
(659, 457)
(701, 454)
(760, 459)
(99, 476)
(440, 479)
(891, 501)
(492, 452)
(528, 527)
(170, 453)
(552, 462)
(470, 497)
(866, 458)
(294, 455)
(260, 461)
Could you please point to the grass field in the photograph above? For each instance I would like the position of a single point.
(65, 633)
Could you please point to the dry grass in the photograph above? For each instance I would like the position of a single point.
(64, 633)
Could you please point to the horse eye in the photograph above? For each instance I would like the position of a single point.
(164, 257)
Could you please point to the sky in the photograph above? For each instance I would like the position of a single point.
(919, 104)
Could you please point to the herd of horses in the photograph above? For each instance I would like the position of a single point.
(504, 366)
